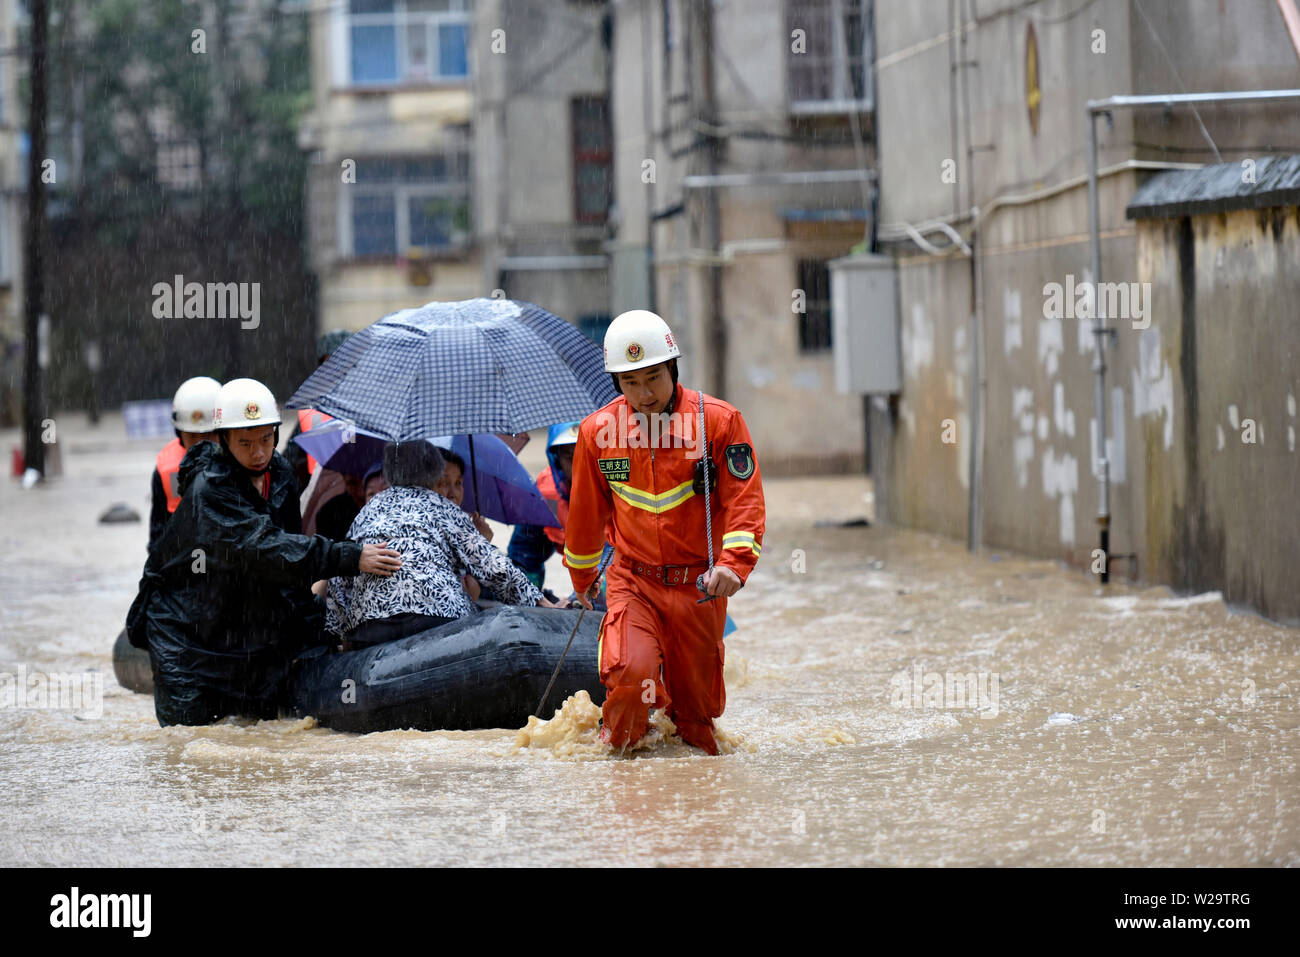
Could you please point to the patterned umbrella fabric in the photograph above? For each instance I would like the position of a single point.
(480, 365)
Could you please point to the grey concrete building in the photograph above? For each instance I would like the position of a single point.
(542, 141)
(390, 189)
(742, 137)
(982, 132)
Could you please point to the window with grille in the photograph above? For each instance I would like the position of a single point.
(592, 159)
(833, 71)
(407, 41)
(401, 203)
(815, 320)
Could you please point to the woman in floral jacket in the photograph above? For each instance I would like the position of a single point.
(438, 544)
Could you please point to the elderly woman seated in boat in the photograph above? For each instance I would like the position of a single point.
(437, 542)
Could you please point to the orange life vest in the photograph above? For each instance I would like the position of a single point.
(308, 419)
(169, 464)
(546, 485)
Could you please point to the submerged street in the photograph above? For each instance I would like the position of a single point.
(1125, 726)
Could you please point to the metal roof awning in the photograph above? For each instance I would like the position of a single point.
(1219, 188)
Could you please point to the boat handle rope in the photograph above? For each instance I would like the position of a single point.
(600, 570)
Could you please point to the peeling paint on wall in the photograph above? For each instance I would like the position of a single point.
(1153, 384)
(918, 342)
(1022, 448)
(1050, 344)
(1063, 417)
(1061, 480)
(1012, 335)
(1290, 429)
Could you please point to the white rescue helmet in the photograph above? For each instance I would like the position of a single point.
(245, 404)
(193, 403)
(637, 339)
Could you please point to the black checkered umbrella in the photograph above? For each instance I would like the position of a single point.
(481, 365)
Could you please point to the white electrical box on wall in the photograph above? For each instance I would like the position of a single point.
(865, 325)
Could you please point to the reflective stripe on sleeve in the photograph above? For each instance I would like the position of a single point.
(742, 541)
(582, 561)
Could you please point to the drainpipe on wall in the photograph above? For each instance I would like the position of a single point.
(713, 227)
(1102, 334)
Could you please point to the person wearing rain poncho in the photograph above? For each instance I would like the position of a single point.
(436, 539)
(224, 604)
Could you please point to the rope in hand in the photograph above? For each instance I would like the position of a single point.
(600, 570)
(708, 511)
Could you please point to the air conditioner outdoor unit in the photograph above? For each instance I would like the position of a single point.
(865, 324)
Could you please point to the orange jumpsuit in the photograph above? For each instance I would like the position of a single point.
(658, 646)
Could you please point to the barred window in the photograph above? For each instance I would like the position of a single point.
(815, 320)
(400, 203)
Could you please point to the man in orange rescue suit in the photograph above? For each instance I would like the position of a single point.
(638, 477)
(192, 419)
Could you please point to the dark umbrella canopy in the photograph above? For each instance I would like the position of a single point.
(497, 485)
(480, 365)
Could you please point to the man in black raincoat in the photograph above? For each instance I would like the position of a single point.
(225, 604)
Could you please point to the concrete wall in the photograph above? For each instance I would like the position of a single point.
(1176, 497)
(1222, 497)
(800, 423)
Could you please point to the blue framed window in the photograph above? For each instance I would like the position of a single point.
(400, 203)
(398, 42)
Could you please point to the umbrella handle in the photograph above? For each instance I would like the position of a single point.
(478, 506)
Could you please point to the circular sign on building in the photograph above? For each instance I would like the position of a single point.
(1033, 94)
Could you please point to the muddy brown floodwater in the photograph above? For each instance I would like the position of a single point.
(1129, 726)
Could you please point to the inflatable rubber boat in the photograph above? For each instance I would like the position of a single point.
(483, 671)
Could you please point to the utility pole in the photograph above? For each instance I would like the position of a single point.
(708, 145)
(33, 262)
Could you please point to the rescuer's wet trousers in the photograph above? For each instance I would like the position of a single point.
(660, 649)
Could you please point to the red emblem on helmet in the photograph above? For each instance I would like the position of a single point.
(252, 411)
(634, 352)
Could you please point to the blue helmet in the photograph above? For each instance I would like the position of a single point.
(561, 434)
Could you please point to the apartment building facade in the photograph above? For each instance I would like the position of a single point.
(743, 153)
(389, 142)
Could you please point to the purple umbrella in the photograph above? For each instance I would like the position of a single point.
(507, 492)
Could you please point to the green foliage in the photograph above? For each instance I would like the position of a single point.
(129, 71)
